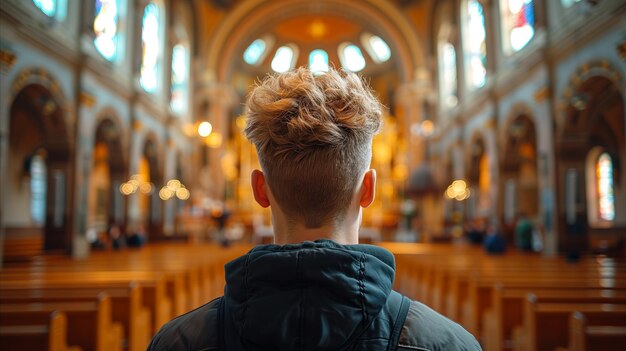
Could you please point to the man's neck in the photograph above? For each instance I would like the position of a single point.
(286, 232)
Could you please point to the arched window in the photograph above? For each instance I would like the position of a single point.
(151, 48)
(284, 59)
(604, 186)
(518, 23)
(318, 61)
(52, 8)
(447, 75)
(254, 52)
(38, 189)
(105, 27)
(180, 78)
(475, 44)
(376, 47)
(351, 57)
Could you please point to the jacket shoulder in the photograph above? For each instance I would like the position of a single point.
(426, 330)
(194, 330)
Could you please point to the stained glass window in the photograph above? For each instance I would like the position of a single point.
(448, 79)
(318, 61)
(254, 52)
(49, 7)
(283, 59)
(352, 58)
(151, 48)
(180, 78)
(105, 27)
(518, 20)
(604, 177)
(476, 49)
(38, 189)
(376, 47)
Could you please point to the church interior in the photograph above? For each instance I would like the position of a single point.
(126, 175)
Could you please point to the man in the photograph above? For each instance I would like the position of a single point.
(316, 289)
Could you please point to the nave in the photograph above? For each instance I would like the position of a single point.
(118, 300)
(124, 167)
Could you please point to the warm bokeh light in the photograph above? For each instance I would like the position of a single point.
(174, 184)
(214, 140)
(146, 188)
(205, 129)
(127, 188)
(174, 187)
(165, 193)
(428, 128)
(240, 122)
(458, 190)
(183, 194)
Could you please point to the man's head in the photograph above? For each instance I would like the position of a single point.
(313, 134)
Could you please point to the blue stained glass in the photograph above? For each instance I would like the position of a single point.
(38, 189)
(105, 27)
(604, 176)
(180, 78)
(318, 61)
(151, 48)
(254, 52)
(380, 48)
(529, 13)
(476, 50)
(518, 19)
(448, 78)
(49, 7)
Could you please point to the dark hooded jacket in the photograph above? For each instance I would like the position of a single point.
(312, 296)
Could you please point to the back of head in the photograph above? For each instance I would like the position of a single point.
(313, 134)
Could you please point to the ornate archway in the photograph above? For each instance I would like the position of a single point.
(250, 17)
(39, 165)
(593, 123)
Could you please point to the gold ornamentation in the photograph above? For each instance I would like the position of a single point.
(541, 94)
(137, 126)
(7, 60)
(87, 99)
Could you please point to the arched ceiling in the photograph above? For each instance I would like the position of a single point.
(316, 29)
(308, 32)
(310, 25)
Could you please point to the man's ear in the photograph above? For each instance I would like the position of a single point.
(258, 188)
(368, 188)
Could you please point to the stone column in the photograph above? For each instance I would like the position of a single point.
(7, 61)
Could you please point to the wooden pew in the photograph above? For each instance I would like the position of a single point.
(587, 334)
(90, 323)
(21, 247)
(47, 331)
(172, 279)
(480, 290)
(507, 308)
(546, 325)
(127, 307)
(155, 287)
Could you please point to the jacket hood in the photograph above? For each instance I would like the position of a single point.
(312, 295)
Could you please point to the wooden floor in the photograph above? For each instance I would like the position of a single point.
(116, 300)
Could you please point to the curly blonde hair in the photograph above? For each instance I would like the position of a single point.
(313, 134)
